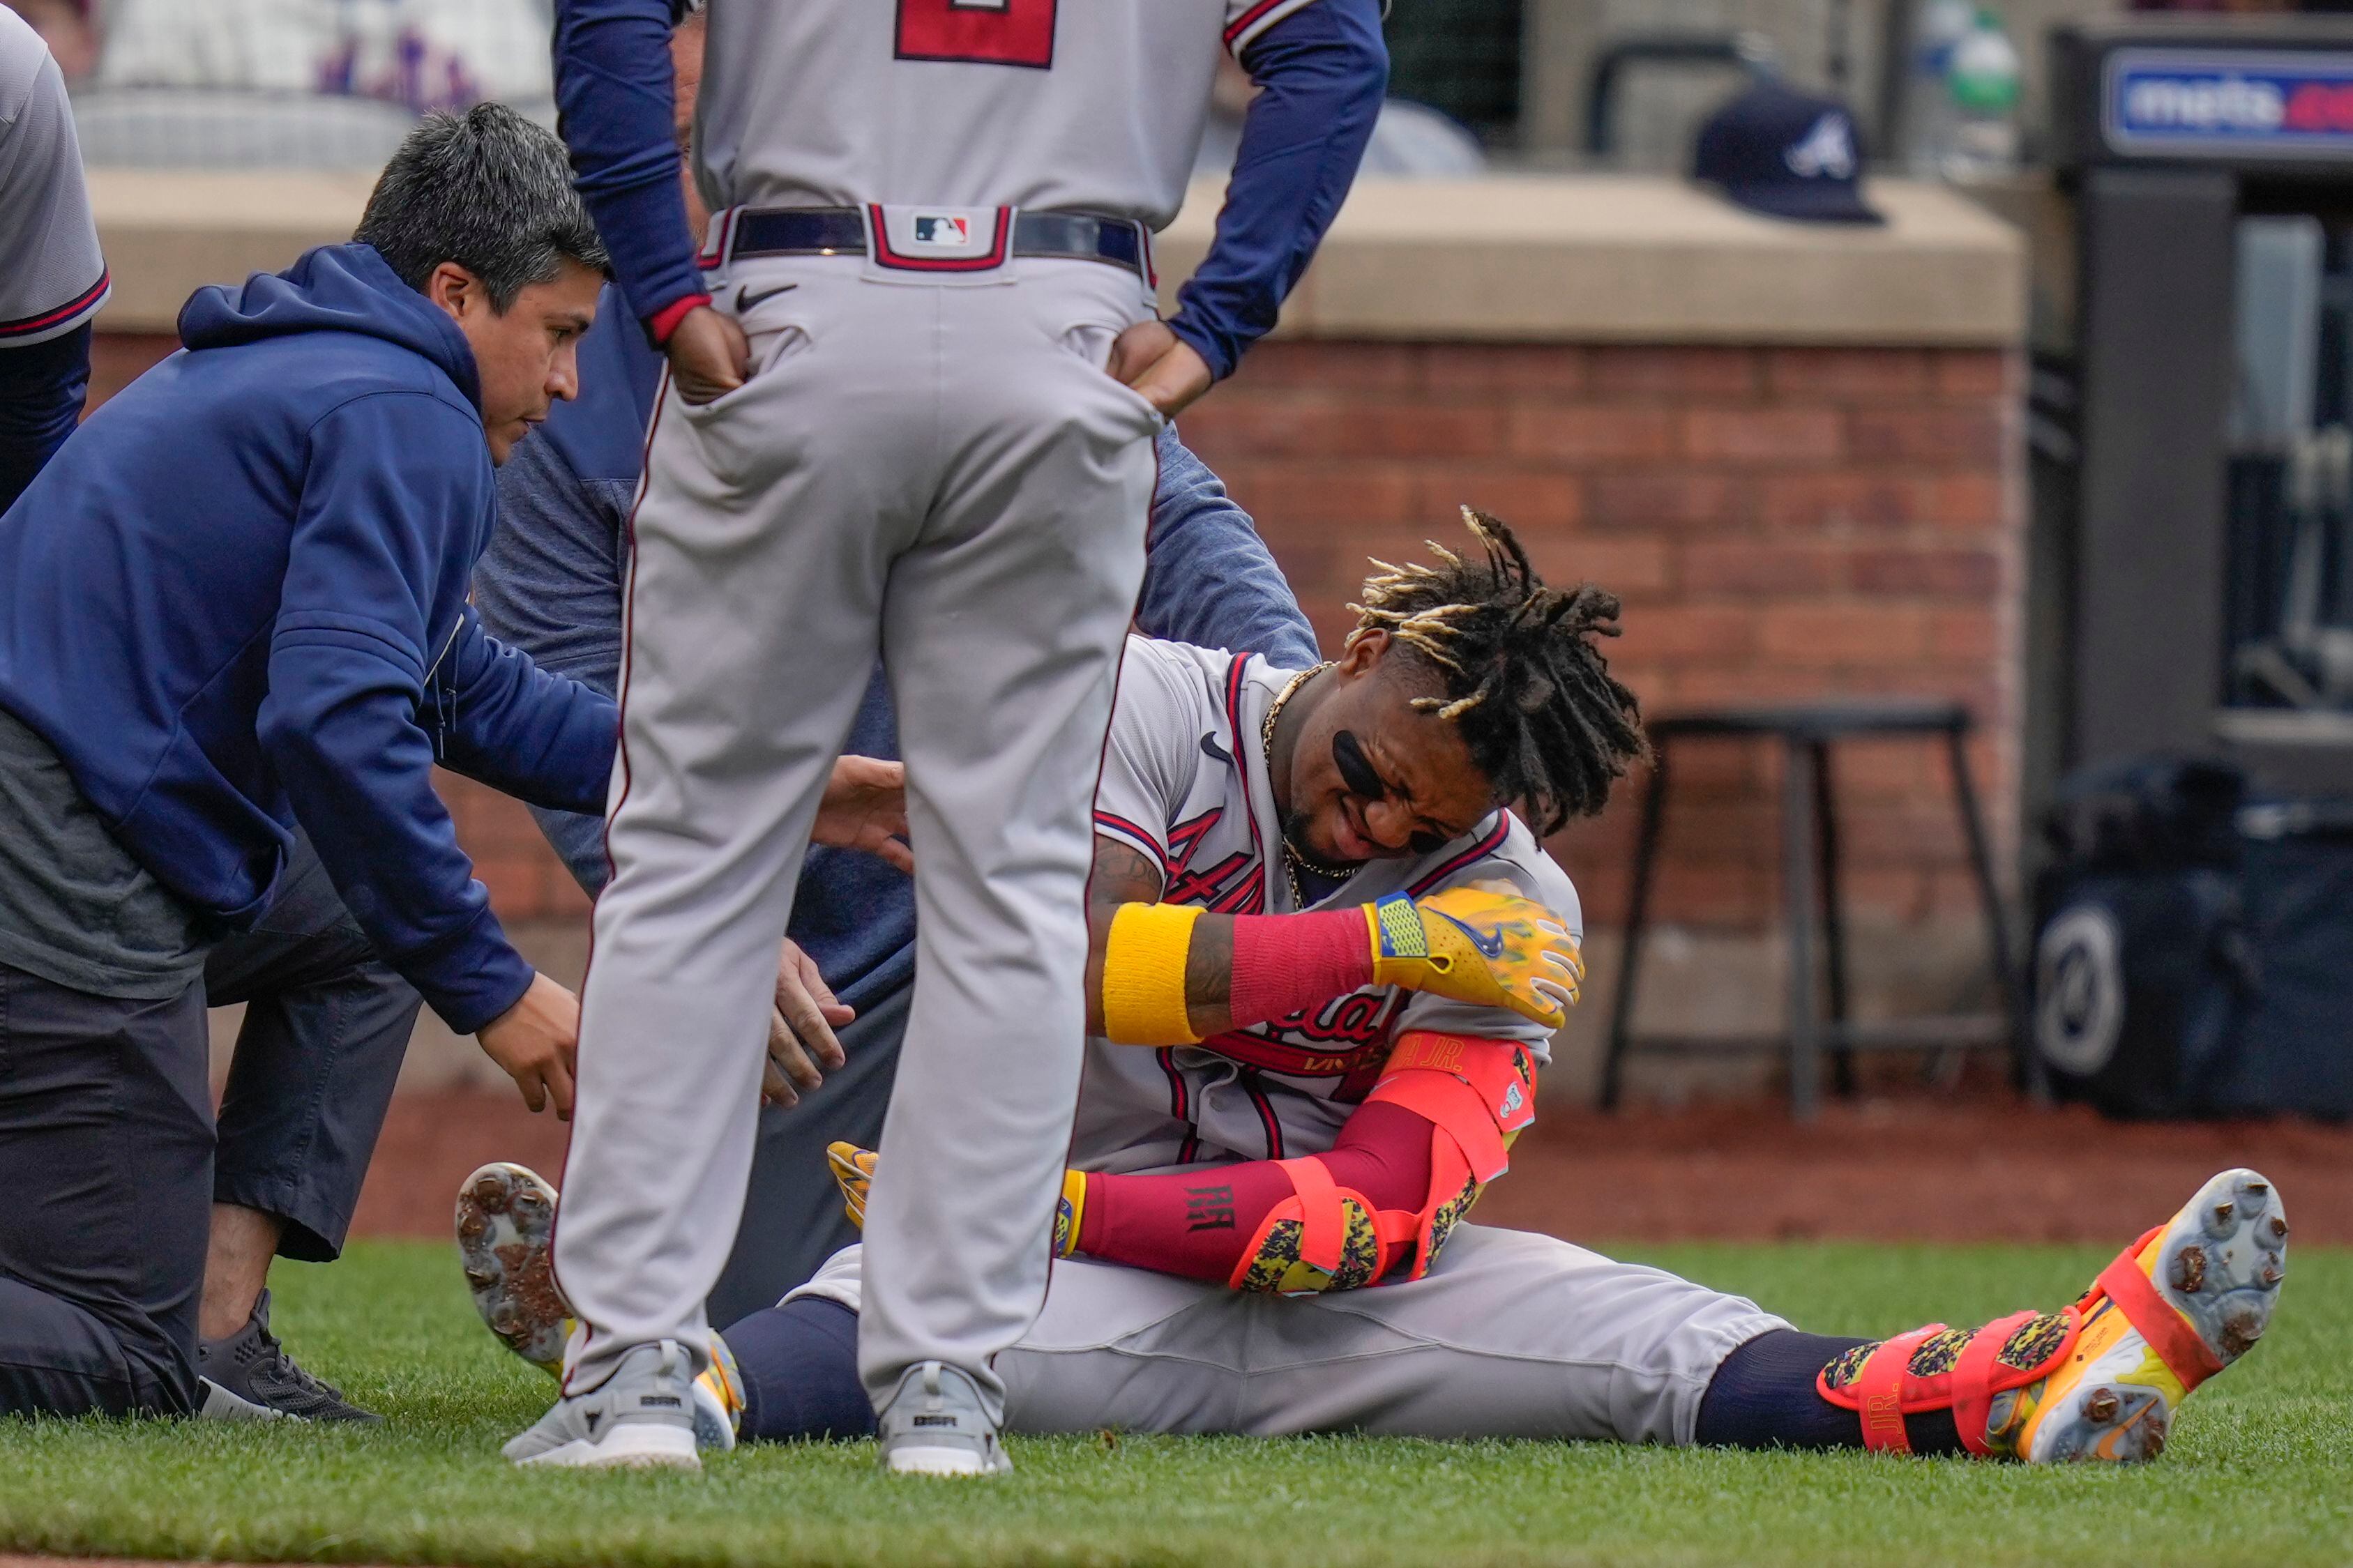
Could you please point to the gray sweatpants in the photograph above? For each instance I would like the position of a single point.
(1510, 1334)
(943, 471)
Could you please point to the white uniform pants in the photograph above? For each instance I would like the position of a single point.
(1510, 1335)
(944, 471)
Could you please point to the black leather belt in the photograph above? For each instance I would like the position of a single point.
(836, 231)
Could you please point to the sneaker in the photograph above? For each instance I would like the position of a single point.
(249, 1376)
(643, 1415)
(935, 1424)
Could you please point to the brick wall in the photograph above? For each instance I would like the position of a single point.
(1783, 525)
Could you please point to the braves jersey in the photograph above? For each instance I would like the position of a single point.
(1185, 784)
(1095, 105)
(52, 278)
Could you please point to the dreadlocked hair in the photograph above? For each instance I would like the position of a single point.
(1524, 681)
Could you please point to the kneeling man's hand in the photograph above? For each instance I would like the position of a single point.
(533, 1042)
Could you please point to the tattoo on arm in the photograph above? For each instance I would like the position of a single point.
(1123, 877)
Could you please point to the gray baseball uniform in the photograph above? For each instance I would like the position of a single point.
(928, 460)
(1509, 1334)
(52, 278)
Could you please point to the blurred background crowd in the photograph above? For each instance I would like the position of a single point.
(329, 83)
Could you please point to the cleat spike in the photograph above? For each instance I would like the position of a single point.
(2279, 1228)
(2240, 1331)
(470, 1225)
(2101, 1407)
(491, 1194)
(2223, 1210)
(2190, 1268)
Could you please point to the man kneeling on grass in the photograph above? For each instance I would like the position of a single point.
(232, 607)
(1326, 964)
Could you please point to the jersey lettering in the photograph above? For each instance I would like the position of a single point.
(978, 32)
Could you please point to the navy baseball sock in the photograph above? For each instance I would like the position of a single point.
(800, 1362)
(1763, 1396)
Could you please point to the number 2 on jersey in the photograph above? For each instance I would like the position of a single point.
(983, 31)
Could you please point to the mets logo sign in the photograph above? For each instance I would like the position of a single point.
(2229, 103)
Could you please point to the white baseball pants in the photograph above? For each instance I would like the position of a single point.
(943, 472)
(1510, 1334)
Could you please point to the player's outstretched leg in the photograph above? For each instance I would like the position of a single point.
(506, 1223)
(2102, 1379)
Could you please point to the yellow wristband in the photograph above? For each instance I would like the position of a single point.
(1143, 975)
(1070, 1212)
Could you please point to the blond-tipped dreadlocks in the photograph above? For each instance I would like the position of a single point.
(1523, 678)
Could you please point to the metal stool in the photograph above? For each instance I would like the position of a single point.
(1809, 840)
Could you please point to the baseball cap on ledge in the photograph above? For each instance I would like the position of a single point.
(1786, 153)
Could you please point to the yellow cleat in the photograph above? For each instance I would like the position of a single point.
(2188, 1299)
(506, 1228)
(2102, 1379)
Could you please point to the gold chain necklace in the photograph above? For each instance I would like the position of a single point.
(1292, 856)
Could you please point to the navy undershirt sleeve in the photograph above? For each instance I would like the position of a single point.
(1321, 72)
(613, 95)
(41, 391)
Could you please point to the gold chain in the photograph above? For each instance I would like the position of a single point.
(1293, 859)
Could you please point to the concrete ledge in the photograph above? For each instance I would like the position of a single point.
(1622, 258)
(169, 232)
(1585, 258)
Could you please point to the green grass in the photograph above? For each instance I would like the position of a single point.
(2260, 1470)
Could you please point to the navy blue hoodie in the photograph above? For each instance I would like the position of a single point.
(237, 599)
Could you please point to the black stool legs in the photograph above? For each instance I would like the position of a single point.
(1813, 900)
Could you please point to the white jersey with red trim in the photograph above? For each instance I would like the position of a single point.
(1185, 784)
(1091, 105)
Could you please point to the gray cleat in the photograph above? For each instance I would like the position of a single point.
(936, 1426)
(642, 1415)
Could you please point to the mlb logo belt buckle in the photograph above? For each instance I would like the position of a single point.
(939, 238)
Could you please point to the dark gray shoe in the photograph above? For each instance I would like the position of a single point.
(249, 1376)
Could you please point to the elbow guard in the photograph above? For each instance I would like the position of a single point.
(1143, 975)
(1477, 1095)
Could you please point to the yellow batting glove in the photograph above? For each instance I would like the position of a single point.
(853, 1173)
(1483, 944)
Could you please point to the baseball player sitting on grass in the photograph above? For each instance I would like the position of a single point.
(1325, 965)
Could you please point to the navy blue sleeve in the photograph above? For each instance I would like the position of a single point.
(349, 663)
(1321, 72)
(1208, 577)
(500, 718)
(41, 391)
(550, 583)
(613, 95)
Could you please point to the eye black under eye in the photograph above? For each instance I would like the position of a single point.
(1355, 771)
